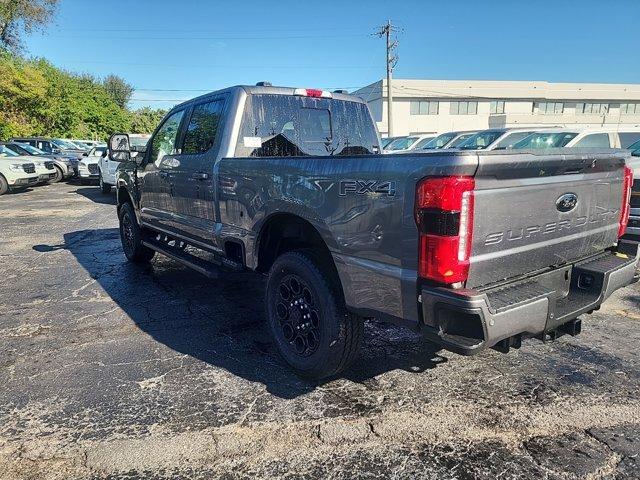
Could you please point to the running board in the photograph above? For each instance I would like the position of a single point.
(200, 265)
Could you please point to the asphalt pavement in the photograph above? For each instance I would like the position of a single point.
(109, 370)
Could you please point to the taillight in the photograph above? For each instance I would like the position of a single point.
(627, 184)
(312, 92)
(444, 216)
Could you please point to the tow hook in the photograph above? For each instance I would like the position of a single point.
(573, 328)
(503, 346)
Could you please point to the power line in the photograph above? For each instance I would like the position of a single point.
(176, 65)
(271, 37)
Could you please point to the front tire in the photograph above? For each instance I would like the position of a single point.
(4, 186)
(309, 323)
(131, 236)
(59, 175)
(104, 187)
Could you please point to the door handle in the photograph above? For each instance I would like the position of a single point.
(164, 174)
(200, 176)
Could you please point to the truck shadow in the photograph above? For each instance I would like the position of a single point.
(222, 322)
(94, 194)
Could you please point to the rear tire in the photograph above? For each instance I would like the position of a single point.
(4, 186)
(104, 187)
(309, 323)
(131, 236)
(59, 175)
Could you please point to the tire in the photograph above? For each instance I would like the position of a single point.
(59, 175)
(131, 236)
(310, 326)
(4, 186)
(104, 187)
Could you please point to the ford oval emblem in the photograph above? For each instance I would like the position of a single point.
(567, 202)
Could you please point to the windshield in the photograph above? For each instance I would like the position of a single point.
(481, 140)
(64, 145)
(27, 149)
(440, 141)
(386, 141)
(294, 126)
(634, 147)
(510, 140)
(422, 143)
(545, 140)
(97, 151)
(81, 146)
(401, 143)
(6, 152)
(460, 140)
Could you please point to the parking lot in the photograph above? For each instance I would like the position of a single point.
(109, 370)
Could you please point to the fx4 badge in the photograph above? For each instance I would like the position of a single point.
(362, 187)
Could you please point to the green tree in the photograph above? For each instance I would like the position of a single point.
(19, 17)
(146, 119)
(119, 90)
(37, 98)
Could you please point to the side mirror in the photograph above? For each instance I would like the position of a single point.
(55, 150)
(85, 154)
(119, 147)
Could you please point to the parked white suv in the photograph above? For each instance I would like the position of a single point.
(15, 171)
(108, 167)
(89, 166)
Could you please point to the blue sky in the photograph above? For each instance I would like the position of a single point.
(174, 50)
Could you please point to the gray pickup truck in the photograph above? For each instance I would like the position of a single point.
(471, 249)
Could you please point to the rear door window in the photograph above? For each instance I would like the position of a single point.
(292, 126)
(600, 140)
(202, 131)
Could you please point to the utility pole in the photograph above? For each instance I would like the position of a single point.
(392, 59)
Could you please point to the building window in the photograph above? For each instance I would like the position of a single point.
(464, 108)
(496, 106)
(424, 107)
(549, 108)
(630, 108)
(592, 108)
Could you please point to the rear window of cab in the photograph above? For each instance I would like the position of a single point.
(296, 126)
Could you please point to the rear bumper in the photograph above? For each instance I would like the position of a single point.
(469, 321)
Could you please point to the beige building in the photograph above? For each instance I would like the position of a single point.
(436, 106)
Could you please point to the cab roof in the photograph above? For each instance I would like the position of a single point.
(271, 90)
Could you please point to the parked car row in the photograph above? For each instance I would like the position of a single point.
(536, 138)
(55, 159)
(520, 138)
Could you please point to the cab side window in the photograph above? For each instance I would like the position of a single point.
(600, 140)
(203, 127)
(45, 146)
(164, 141)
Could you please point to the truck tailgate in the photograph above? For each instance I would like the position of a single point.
(535, 211)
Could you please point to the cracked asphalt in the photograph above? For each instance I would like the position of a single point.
(115, 371)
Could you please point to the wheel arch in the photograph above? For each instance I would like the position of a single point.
(284, 232)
